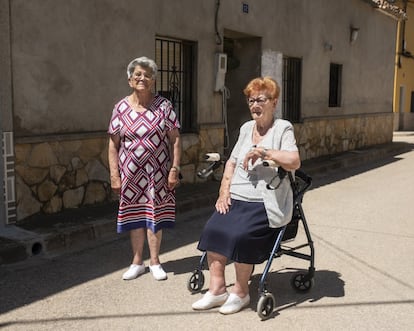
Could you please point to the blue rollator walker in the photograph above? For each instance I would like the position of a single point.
(301, 282)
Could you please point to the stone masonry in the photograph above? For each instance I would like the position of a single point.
(59, 174)
(55, 175)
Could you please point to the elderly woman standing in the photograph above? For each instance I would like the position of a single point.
(144, 159)
(239, 229)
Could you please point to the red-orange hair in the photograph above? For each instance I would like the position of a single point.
(266, 84)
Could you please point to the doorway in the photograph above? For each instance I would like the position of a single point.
(243, 64)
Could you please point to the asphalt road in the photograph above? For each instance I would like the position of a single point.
(361, 222)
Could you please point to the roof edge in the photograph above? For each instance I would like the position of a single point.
(388, 8)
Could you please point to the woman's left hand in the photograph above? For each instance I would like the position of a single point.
(254, 154)
(173, 179)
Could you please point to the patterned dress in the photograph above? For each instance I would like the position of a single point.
(144, 163)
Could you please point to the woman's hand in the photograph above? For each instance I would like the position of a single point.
(253, 155)
(113, 159)
(223, 203)
(175, 150)
(173, 179)
(116, 184)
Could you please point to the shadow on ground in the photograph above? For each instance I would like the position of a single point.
(38, 278)
(327, 284)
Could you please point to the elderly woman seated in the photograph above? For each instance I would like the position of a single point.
(239, 228)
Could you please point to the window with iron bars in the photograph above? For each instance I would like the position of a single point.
(176, 60)
(292, 86)
(335, 85)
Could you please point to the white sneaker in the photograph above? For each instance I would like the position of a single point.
(210, 301)
(234, 304)
(158, 272)
(134, 271)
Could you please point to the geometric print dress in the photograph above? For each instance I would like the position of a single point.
(144, 163)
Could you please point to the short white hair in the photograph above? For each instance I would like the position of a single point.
(144, 62)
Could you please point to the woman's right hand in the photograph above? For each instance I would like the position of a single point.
(223, 203)
(116, 184)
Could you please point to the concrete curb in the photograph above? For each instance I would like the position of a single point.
(19, 243)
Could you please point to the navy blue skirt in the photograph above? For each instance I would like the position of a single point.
(242, 235)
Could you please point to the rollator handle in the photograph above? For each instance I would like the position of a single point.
(212, 157)
(216, 160)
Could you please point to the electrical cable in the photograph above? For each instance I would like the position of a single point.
(219, 40)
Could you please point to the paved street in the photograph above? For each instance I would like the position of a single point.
(362, 226)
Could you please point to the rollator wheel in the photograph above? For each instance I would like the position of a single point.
(302, 282)
(196, 281)
(265, 305)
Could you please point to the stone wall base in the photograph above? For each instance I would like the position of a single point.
(318, 137)
(59, 173)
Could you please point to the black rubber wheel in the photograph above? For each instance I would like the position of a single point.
(302, 282)
(196, 281)
(265, 306)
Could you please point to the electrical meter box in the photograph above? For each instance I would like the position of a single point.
(221, 69)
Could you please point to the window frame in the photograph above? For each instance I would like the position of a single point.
(292, 89)
(335, 85)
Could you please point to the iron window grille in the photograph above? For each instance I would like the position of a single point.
(335, 85)
(292, 85)
(176, 76)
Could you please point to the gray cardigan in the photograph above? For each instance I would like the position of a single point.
(250, 185)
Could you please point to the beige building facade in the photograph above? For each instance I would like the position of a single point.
(63, 67)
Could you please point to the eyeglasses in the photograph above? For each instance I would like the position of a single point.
(259, 100)
(139, 74)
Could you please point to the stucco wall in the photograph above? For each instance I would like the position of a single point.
(302, 28)
(69, 57)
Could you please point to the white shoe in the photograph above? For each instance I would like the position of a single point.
(234, 304)
(134, 271)
(210, 301)
(158, 272)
